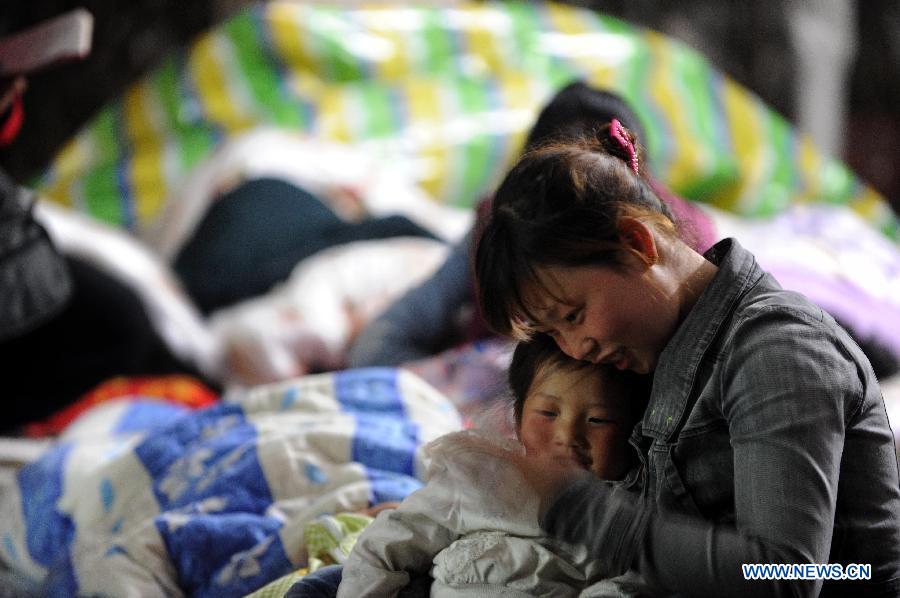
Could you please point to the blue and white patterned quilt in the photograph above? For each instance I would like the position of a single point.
(142, 501)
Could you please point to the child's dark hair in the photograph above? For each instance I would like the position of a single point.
(539, 356)
(531, 359)
(559, 206)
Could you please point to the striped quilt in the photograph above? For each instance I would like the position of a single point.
(450, 90)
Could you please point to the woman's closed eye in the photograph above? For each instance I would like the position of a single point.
(572, 316)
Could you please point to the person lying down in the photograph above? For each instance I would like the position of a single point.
(473, 528)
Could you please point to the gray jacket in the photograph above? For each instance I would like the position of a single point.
(765, 441)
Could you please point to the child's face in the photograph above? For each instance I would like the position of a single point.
(571, 416)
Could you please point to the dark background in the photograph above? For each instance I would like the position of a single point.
(747, 39)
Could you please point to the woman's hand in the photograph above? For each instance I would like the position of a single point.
(548, 476)
(580, 508)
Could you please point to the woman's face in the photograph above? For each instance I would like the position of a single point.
(571, 419)
(605, 314)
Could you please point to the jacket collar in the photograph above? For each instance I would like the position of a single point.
(679, 361)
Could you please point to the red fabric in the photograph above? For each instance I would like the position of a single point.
(13, 124)
(177, 388)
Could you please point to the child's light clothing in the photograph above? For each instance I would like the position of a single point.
(474, 526)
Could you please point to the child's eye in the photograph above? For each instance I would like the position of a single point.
(547, 413)
(599, 420)
(572, 316)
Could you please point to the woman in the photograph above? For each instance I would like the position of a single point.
(765, 439)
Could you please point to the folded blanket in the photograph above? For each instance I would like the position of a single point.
(215, 503)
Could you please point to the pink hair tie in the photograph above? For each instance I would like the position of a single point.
(618, 132)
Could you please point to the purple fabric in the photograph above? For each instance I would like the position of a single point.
(868, 316)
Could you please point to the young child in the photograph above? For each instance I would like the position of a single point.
(474, 527)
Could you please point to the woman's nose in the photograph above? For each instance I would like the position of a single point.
(575, 346)
(583, 348)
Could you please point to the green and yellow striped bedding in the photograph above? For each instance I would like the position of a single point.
(451, 89)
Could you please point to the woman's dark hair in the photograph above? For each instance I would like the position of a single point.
(577, 110)
(559, 206)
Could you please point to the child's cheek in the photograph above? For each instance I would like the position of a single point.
(536, 436)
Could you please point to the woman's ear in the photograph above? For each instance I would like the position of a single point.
(638, 238)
